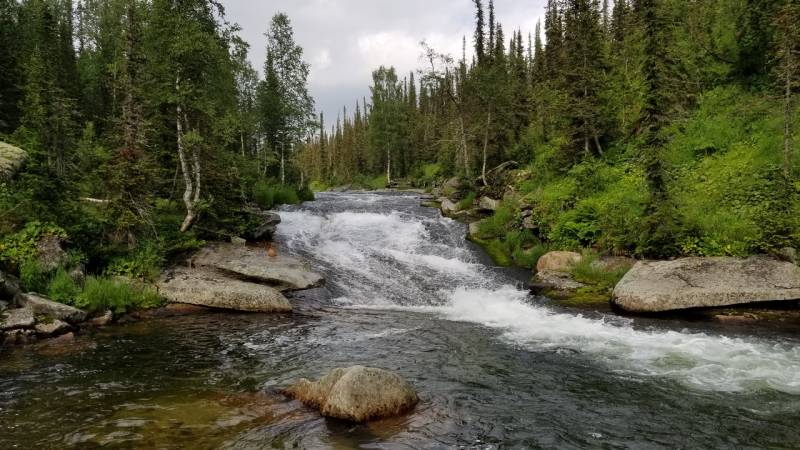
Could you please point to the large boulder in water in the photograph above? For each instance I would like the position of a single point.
(357, 394)
(656, 286)
(212, 289)
(265, 224)
(11, 160)
(281, 272)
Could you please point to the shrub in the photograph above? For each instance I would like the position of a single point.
(263, 195)
(101, 293)
(466, 202)
(145, 263)
(33, 276)
(63, 288)
(20, 247)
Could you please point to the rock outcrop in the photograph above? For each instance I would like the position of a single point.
(43, 306)
(11, 160)
(357, 394)
(17, 319)
(9, 286)
(265, 224)
(204, 287)
(448, 207)
(488, 204)
(656, 286)
(281, 272)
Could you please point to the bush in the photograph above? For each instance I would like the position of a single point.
(467, 202)
(145, 263)
(264, 195)
(267, 196)
(33, 276)
(20, 247)
(63, 288)
(101, 294)
(588, 271)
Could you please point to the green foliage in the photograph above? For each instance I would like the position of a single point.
(33, 276)
(119, 296)
(145, 263)
(20, 247)
(467, 202)
(268, 196)
(590, 270)
(63, 288)
(319, 186)
(498, 225)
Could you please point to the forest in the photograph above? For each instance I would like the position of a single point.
(652, 128)
(147, 131)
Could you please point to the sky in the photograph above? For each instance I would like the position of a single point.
(345, 40)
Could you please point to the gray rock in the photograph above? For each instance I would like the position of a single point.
(558, 261)
(788, 254)
(283, 273)
(9, 286)
(451, 187)
(357, 394)
(11, 160)
(448, 207)
(46, 307)
(103, 320)
(53, 328)
(657, 286)
(20, 337)
(17, 318)
(528, 223)
(50, 253)
(235, 240)
(267, 225)
(488, 204)
(555, 283)
(474, 229)
(204, 287)
(3, 306)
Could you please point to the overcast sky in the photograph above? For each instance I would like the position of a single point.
(345, 40)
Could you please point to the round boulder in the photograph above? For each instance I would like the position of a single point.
(357, 394)
(558, 261)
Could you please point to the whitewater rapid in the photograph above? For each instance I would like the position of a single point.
(403, 260)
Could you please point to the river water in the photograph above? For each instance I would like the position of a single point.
(494, 366)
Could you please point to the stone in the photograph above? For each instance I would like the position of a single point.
(17, 318)
(236, 240)
(448, 207)
(488, 204)
(9, 286)
(788, 254)
(267, 225)
(254, 264)
(656, 286)
(78, 273)
(50, 253)
(204, 287)
(20, 337)
(555, 283)
(102, 320)
(3, 306)
(41, 305)
(558, 261)
(451, 187)
(52, 328)
(528, 223)
(357, 394)
(474, 229)
(11, 160)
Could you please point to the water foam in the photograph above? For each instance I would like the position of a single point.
(394, 261)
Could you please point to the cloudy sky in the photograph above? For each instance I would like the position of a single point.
(344, 40)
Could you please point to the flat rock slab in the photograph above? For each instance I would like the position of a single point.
(656, 286)
(284, 273)
(53, 328)
(204, 287)
(356, 393)
(16, 319)
(46, 307)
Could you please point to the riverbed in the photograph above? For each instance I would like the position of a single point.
(494, 366)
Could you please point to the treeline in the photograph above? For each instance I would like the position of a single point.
(597, 83)
(143, 120)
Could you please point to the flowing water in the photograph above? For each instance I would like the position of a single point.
(494, 366)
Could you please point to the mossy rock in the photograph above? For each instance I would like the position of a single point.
(11, 159)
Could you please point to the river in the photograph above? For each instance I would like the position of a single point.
(494, 366)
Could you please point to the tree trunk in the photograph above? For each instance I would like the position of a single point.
(787, 115)
(187, 176)
(283, 166)
(464, 145)
(485, 145)
(388, 166)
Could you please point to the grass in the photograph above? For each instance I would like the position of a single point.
(467, 202)
(267, 195)
(116, 295)
(591, 271)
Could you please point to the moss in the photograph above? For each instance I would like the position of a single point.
(11, 159)
(495, 249)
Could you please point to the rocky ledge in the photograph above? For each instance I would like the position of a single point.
(238, 277)
(357, 394)
(658, 286)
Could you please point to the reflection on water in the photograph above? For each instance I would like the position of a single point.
(493, 366)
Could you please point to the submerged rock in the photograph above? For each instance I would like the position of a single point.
(554, 283)
(16, 319)
(357, 394)
(283, 273)
(44, 306)
(657, 286)
(558, 261)
(212, 289)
